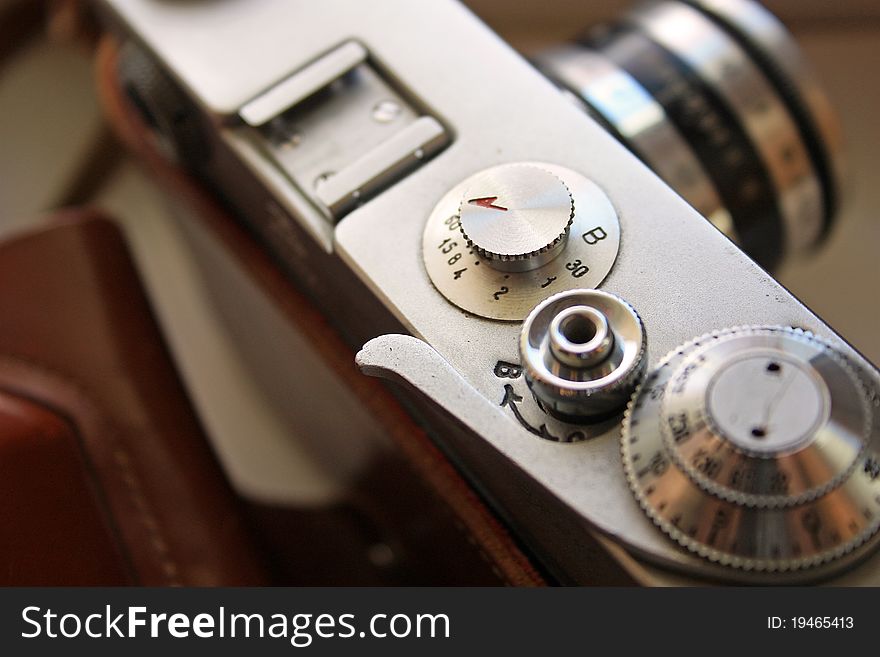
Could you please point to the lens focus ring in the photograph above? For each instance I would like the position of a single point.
(714, 96)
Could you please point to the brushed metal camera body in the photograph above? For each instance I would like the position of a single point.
(469, 103)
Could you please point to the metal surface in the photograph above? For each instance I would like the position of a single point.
(340, 130)
(516, 216)
(554, 201)
(682, 274)
(380, 167)
(642, 123)
(721, 62)
(756, 448)
(716, 97)
(303, 84)
(583, 353)
(807, 99)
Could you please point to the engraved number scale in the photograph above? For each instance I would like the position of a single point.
(510, 236)
(757, 448)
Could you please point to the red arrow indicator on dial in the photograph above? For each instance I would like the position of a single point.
(487, 202)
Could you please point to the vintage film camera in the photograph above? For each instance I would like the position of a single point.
(602, 362)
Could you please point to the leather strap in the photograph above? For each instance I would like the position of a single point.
(54, 533)
(107, 476)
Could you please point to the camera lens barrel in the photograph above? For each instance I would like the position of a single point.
(715, 96)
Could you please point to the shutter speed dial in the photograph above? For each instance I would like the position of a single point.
(506, 238)
(758, 448)
(517, 217)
